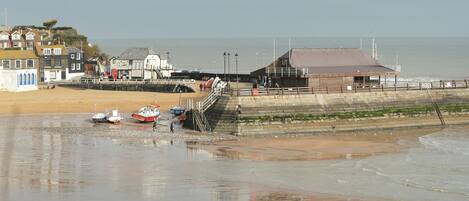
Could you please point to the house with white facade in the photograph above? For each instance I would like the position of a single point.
(139, 63)
(18, 70)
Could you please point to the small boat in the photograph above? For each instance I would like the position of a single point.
(114, 117)
(99, 118)
(177, 110)
(149, 113)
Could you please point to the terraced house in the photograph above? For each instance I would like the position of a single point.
(18, 70)
(53, 60)
(76, 63)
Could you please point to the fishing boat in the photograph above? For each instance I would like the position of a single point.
(177, 110)
(148, 113)
(114, 117)
(99, 118)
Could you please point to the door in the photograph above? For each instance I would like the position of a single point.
(64, 75)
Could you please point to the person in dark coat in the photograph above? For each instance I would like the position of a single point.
(171, 127)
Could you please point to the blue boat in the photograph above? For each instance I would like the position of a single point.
(177, 110)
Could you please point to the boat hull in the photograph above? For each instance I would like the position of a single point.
(141, 118)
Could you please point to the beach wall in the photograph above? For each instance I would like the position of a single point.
(133, 86)
(310, 113)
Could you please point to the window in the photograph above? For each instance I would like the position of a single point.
(78, 56)
(30, 36)
(6, 64)
(58, 62)
(33, 79)
(52, 75)
(72, 56)
(57, 51)
(30, 63)
(78, 66)
(18, 64)
(47, 51)
(16, 37)
(73, 66)
(4, 37)
(47, 62)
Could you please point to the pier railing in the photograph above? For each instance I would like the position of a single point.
(357, 88)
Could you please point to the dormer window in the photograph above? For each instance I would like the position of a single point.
(47, 51)
(4, 37)
(78, 56)
(57, 51)
(16, 37)
(72, 56)
(30, 36)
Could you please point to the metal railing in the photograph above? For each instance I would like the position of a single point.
(356, 88)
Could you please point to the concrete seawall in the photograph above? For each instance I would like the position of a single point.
(309, 113)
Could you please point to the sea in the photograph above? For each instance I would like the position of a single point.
(422, 58)
(63, 157)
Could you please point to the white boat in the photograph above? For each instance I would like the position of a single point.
(114, 117)
(99, 118)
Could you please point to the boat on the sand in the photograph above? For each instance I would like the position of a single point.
(114, 117)
(177, 110)
(99, 118)
(148, 113)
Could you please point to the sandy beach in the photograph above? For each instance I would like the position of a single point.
(67, 100)
(320, 147)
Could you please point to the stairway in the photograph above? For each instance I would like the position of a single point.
(437, 109)
(200, 120)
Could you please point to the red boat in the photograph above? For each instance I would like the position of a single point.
(149, 113)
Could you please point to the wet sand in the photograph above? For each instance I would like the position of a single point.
(66, 100)
(320, 147)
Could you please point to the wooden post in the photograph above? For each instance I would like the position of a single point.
(267, 90)
(355, 86)
(341, 89)
(312, 90)
(327, 90)
(382, 88)
(407, 86)
(431, 85)
(420, 85)
(465, 81)
(297, 91)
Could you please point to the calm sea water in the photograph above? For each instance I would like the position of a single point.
(422, 58)
(57, 157)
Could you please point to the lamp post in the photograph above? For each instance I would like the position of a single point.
(224, 66)
(228, 67)
(237, 74)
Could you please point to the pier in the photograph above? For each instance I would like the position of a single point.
(312, 110)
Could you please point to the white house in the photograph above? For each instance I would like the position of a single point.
(140, 63)
(18, 70)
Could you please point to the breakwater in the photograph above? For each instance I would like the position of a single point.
(310, 113)
(169, 86)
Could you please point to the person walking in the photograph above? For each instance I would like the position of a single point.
(154, 125)
(171, 127)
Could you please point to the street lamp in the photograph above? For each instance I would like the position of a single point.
(224, 66)
(229, 75)
(237, 74)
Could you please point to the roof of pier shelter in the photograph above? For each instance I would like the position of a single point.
(330, 62)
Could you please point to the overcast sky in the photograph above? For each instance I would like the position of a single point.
(246, 18)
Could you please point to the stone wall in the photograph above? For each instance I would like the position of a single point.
(337, 112)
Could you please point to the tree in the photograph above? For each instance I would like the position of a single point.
(49, 24)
